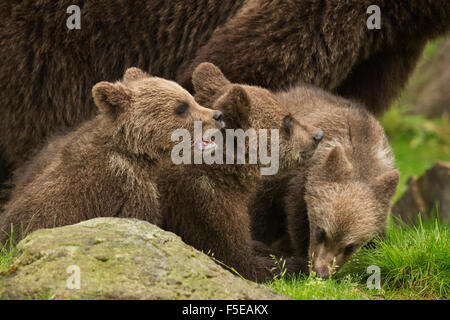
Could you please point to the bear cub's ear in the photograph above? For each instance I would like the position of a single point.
(336, 168)
(134, 74)
(209, 82)
(385, 185)
(287, 128)
(235, 105)
(111, 99)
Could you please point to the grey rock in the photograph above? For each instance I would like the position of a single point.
(424, 194)
(119, 259)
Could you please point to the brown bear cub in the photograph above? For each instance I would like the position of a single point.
(206, 204)
(107, 166)
(340, 198)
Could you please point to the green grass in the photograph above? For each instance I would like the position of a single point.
(313, 288)
(413, 261)
(414, 264)
(7, 251)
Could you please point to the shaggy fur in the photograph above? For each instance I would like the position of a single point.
(207, 204)
(47, 70)
(106, 167)
(337, 201)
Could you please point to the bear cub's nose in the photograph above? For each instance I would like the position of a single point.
(217, 116)
(323, 272)
(318, 137)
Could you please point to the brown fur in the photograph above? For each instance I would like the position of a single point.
(107, 167)
(47, 70)
(207, 204)
(276, 44)
(344, 189)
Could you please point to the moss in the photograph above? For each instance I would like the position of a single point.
(134, 260)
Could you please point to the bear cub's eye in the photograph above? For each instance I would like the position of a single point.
(288, 126)
(321, 235)
(350, 249)
(181, 108)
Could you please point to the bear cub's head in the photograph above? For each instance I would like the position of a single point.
(250, 107)
(143, 111)
(344, 212)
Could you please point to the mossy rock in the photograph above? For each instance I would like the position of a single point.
(118, 259)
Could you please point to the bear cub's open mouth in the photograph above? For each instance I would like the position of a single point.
(207, 142)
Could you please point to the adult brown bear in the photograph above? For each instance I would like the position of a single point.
(47, 70)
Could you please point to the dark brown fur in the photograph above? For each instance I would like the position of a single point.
(207, 204)
(344, 189)
(107, 167)
(47, 70)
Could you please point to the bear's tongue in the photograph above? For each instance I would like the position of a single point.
(205, 144)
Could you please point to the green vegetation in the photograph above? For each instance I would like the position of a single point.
(412, 260)
(7, 252)
(414, 264)
(313, 288)
(431, 49)
(418, 142)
